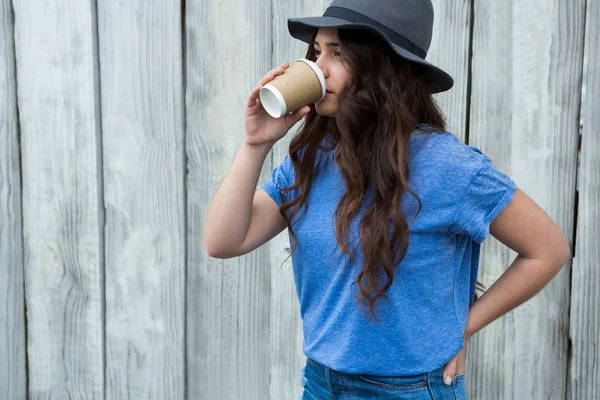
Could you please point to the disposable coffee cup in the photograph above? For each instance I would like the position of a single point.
(301, 84)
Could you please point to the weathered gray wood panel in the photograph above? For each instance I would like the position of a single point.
(450, 51)
(13, 376)
(228, 50)
(140, 46)
(524, 114)
(243, 326)
(56, 74)
(584, 377)
(286, 356)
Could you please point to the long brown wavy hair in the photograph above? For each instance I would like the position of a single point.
(385, 100)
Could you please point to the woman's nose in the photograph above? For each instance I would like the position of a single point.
(322, 65)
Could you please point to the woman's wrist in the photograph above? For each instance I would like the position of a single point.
(260, 148)
(470, 329)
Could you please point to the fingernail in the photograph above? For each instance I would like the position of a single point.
(448, 380)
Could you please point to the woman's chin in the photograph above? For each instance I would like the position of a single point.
(325, 110)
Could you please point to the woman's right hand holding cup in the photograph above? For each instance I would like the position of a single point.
(262, 130)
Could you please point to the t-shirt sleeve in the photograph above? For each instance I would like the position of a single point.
(486, 195)
(281, 177)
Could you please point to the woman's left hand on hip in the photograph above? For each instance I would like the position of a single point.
(456, 365)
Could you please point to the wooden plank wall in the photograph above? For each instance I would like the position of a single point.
(62, 230)
(584, 372)
(228, 50)
(140, 48)
(127, 116)
(13, 379)
(524, 114)
(450, 46)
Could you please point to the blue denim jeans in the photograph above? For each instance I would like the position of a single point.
(322, 383)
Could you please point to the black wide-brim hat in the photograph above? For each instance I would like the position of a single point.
(406, 25)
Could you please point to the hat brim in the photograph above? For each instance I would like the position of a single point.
(304, 28)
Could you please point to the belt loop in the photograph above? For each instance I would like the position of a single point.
(430, 385)
(328, 378)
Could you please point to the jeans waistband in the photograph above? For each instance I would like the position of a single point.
(318, 367)
(322, 370)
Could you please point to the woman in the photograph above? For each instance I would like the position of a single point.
(386, 211)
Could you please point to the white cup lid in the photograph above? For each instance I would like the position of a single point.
(272, 101)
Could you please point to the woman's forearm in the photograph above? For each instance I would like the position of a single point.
(520, 282)
(230, 210)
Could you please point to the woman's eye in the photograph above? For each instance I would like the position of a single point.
(318, 53)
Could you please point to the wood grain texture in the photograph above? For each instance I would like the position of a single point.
(527, 59)
(228, 50)
(140, 47)
(449, 51)
(584, 376)
(286, 356)
(62, 210)
(13, 376)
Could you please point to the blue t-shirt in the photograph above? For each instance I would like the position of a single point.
(421, 328)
